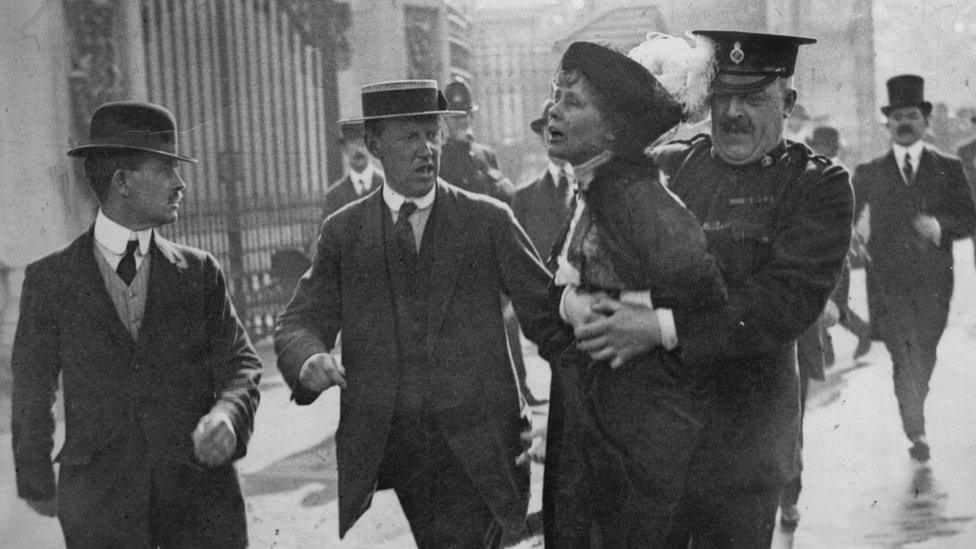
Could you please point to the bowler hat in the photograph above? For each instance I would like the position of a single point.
(763, 56)
(131, 126)
(351, 131)
(401, 98)
(539, 123)
(627, 89)
(906, 90)
(824, 138)
(459, 97)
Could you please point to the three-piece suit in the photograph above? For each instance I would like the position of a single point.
(131, 405)
(426, 347)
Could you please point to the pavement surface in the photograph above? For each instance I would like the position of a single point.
(861, 489)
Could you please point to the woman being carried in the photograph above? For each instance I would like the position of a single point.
(621, 435)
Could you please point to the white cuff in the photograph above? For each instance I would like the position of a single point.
(669, 334)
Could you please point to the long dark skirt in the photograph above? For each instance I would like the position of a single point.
(621, 449)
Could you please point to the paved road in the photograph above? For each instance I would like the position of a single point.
(861, 488)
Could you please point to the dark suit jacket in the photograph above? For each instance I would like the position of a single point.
(967, 153)
(781, 232)
(192, 354)
(542, 211)
(481, 253)
(343, 192)
(903, 264)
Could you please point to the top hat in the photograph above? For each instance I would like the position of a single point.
(401, 98)
(131, 126)
(763, 56)
(539, 123)
(459, 97)
(906, 90)
(629, 90)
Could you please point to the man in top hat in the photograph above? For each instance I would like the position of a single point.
(466, 163)
(778, 218)
(412, 275)
(361, 177)
(160, 381)
(919, 203)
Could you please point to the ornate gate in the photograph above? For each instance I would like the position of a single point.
(252, 83)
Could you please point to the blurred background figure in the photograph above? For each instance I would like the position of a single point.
(466, 163)
(825, 141)
(362, 175)
(542, 206)
(473, 167)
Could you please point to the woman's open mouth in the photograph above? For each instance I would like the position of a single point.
(426, 170)
(555, 136)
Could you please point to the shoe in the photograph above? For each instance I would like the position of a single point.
(920, 449)
(863, 346)
(789, 516)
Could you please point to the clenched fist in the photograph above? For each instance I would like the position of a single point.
(214, 440)
(322, 371)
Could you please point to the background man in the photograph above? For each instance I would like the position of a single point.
(542, 206)
(779, 220)
(919, 203)
(412, 277)
(160, 380)
(361, 176)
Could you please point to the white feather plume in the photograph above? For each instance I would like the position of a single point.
(683, 65)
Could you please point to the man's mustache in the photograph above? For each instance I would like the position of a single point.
(735, 125)
(905, 129)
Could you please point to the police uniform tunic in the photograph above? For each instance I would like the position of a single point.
(780, 229)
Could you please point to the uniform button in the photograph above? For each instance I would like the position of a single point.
(733, 178)
(136, 366)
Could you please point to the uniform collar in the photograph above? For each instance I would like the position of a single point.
(394, 199)
(115, 237)
(771, 158)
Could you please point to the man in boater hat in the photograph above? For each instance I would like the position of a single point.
(160, 381)
(919, 203)
(412, 275)
(779, 220)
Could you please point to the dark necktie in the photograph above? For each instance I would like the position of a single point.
(907, 170)
(127, 267)
(405, 238)
(562, 184)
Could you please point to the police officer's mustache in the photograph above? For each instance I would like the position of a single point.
(735, 125)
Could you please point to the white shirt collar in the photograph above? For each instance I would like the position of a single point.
(362, 181)
(914, 152)
(115, 237)
(555, 169)
(585, 171)
(394, 199)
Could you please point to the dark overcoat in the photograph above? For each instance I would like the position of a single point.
(192, 354)
(480, 252)
(542, 210)
(780, 229)
(343, 192)
(909, 278)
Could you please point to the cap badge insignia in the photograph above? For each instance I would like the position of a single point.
(737, 55)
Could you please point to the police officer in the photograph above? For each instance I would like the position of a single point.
(466, 163)
(778, 218)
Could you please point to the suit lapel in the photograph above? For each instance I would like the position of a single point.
(92, 294)
(166, 289)
(369, 252)
(447, 237)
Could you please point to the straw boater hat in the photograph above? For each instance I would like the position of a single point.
(401, 98)
(131, 126)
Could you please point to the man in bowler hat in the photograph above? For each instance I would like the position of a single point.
(361, 177)
(160, 381)
(778, 218)
(919, 203)
(412, 276)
